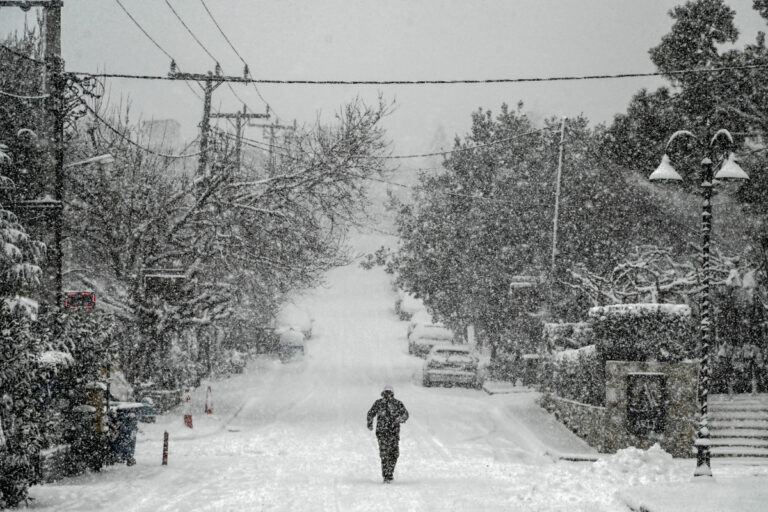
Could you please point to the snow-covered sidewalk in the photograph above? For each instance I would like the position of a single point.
(745, 490)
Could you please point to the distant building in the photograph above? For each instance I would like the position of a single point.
(161, 133)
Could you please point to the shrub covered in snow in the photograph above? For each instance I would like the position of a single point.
(566, 335)
(641, 332)
(575, 374)
(20, 407)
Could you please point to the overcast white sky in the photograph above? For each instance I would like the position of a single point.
(374, 40)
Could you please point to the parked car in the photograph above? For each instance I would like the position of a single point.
(296, 317)
(290, 345)
(420, 317)
(450, 364)
(425, 336)
(407, 305)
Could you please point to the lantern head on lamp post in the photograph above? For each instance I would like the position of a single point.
(729, 171)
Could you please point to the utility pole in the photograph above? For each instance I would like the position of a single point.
(53, 85)
(209, 82)
(240, 117)
(557, 213)
(272, 161)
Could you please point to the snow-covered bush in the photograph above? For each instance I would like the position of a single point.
(642, 332)
(566, 335)
(575, 374)
(20, 407)
(85, 336)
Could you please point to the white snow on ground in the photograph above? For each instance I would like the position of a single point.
(292, 437)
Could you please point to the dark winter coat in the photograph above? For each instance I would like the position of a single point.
(389, 413)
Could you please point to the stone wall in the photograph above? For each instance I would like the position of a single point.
(610, 428)
(680, 406)
(586, 421)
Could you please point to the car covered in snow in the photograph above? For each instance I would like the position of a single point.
(450, 364)
(424, 336)
(290, 345)
(407, 305)
(420, 317)
(295, 317)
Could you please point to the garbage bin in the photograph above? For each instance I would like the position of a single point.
(126, 416)
(147, 412)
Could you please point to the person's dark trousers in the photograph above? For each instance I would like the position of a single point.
(389, 451)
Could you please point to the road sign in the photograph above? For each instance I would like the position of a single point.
(79, 300)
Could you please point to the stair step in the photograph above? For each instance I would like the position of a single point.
(738, 451)
(756, 433)
(745, 460)
(738, 415)
(737, 406)
(738, 423)
(738, 441)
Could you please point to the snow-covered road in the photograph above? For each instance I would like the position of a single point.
(292, 437)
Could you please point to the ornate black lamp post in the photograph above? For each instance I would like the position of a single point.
(728, 170)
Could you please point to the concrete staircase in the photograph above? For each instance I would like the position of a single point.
(739, 427)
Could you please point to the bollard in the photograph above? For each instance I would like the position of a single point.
(188, 413)
(165, 448)
(209, 407)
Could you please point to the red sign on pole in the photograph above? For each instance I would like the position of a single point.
(80, 300)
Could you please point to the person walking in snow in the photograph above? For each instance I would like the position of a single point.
(389, 414)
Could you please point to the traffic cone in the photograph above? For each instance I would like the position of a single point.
(208, 401)
(188, 413)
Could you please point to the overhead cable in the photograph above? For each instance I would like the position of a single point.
(210, 15)
(131, 141)
(159, 47)
(17, 96)
(190, 31)
(143, 31)
(417, 155)
(205, 49)
(446, 82)
(23, 56)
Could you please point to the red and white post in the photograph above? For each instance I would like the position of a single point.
(209, 401)
(188, 413)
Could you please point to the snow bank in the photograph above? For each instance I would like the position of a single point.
(635, 466)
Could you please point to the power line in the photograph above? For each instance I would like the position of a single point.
(417, 155)
(190, 31)
(448, 82)
(40, 97)
(159, 47)
(210, 15)
(131, 141)
(205, 49)
(23, 56)
(143, 31)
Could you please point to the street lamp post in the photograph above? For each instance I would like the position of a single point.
(729, 171)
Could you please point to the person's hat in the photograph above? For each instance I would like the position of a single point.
(388, 388)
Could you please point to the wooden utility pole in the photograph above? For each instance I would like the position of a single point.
(240, 117)
(53, 85)
(556, 216)
(272, 161)
(209, 82)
